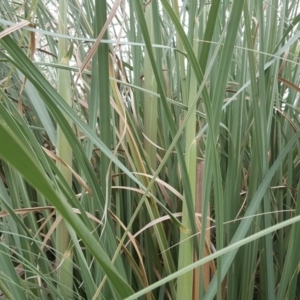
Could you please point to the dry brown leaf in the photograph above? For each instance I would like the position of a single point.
(13, 28)
(78, 178)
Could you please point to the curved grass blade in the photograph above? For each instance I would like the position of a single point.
(17, 156)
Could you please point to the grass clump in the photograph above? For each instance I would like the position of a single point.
(149, 151)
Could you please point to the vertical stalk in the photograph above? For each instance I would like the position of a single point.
(186, 249)
(260, 117)
(182, 68)
(64, 151)
(150, 108)
(104, 94)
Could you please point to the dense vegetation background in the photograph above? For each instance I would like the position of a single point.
(149, 149)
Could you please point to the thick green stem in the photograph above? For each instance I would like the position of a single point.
(64, 151)
(150, 106)
(104, 97)
(186, 249)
